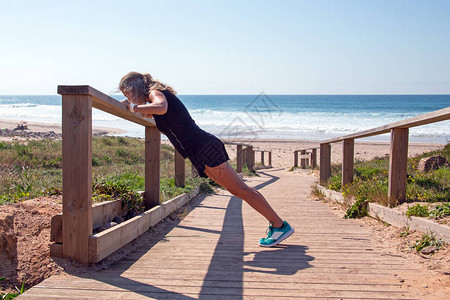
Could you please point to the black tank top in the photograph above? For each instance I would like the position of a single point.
(182, 131)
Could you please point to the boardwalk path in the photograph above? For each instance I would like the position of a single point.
(213, 254)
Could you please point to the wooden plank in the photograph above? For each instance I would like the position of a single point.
(56, 229)
(152, 166)
(325, 163)
(180, 170)
(77, 175)
(303, 159)
(104, 212)
(106, 103)
(313, 158)
(56, 250)
(239, 158)
(106, 242)
(348, 153)
(398, 160)
(296, 159)
(101, 213)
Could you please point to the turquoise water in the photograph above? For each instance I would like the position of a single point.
(312, 117)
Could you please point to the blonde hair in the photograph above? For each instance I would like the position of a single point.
(140, 85)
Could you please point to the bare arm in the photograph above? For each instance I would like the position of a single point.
(157, 105)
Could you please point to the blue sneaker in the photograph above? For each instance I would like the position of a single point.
(276, 235)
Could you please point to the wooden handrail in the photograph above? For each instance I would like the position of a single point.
(106, 103)
(428, 118)
(398, 151)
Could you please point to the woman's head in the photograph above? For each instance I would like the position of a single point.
(136, 86)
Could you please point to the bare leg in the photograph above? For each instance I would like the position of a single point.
(225, 176)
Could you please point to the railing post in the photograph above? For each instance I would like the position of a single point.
(152, 166)
(262, 157)
(295, 158)
(270, 158)
(303, 160)
(398, 160)
(251, 158)
(325, 163)
(348, 148)
(239, 158)
(77, 176)
(180, 170)
(314, 158)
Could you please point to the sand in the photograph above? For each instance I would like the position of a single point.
(282, 150)
(47, 127)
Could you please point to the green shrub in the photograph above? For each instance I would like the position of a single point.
(357, 210)
(441, 210)
(428, 239)
(335, 182)
(418, 211)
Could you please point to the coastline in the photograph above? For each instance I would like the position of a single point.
(40, 127)
(282, 149)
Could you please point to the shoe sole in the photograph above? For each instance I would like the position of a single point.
(282, 238)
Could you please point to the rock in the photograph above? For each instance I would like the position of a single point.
(118, 219)
(431, 163)
(429, 250)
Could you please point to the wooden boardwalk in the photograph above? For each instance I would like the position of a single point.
(213, 254)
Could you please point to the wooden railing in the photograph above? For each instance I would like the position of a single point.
(308, 157)
(269, 157)
(398, 151)
(74, 229)
(246, 155)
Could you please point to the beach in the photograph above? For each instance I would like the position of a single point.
(42, 129)
(282, 149)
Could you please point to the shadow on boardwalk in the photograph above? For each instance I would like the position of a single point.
(226, 270)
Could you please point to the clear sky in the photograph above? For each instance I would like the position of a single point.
(228, 47)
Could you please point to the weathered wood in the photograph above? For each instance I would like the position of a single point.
(348, 150)
(262, 158)
(180, 171)
(325, 163)
(428, 118)
(106, 242)
(56, 250)
(398, 160)
(56, 229)
(313, 158)
(152, 166)
(213, 253)
(106, 103)
(251, 158)
(77, 175)
(101, 213)
(302, 159)
(296, 159)
(239, 158)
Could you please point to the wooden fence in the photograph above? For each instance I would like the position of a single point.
(398, 151)
(73, 231)
(308, 157)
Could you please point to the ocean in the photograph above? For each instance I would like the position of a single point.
(306, 117)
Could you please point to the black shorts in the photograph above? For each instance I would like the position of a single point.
(212, 155)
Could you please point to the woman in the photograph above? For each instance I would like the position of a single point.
(206, 152)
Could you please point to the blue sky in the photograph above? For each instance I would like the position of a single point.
(228, 47)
